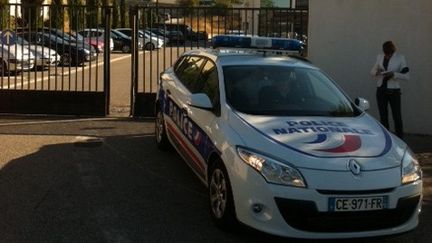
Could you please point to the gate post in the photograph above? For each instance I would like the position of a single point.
(107, 51)
(133, 17)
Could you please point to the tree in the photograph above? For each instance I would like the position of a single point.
(115, 14)
(267, 3)
(4, 14)
(76, 14)
(92, 13)
(223, 3)
(123, 13)
(188, 3)
(31, 12)
(57, 14)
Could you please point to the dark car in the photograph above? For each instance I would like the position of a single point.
(186, 30)
(122, 42)
(174, 36)
(71, 39)
(70, 53)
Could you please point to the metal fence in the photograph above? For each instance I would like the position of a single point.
(46, 66)
(182, 29)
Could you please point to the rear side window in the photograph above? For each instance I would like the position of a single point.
(189, 71)
(209, 82)
(126, 32)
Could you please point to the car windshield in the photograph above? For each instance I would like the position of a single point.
(284, 91)
(120, 34)
(78, 36)
(65, 36)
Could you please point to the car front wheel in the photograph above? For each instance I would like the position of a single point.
(66, 59)
(3, 68)
(149, 46)
(126, 49)
(220, 197)
(160, 131)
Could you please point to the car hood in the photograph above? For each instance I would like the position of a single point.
(16, 51)
(312, 140)
(42, 49)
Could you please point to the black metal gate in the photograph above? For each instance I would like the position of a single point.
(47, 67)
(182, 29)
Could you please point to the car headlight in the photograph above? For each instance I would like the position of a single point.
(411, 170)
(272, 170)
(86, 51)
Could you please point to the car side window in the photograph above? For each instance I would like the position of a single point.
(180, 65)
(209, 82)
(191, 72)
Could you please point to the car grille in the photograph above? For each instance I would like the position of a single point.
(303, 215)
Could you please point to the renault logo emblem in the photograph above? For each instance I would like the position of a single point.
(354, 167)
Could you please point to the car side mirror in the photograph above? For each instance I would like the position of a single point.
(200, 100)
(362, 103)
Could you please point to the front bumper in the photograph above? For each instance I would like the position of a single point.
(15, 65)
(303, 212)
(91, 57)
(47, 62)
(160, 44)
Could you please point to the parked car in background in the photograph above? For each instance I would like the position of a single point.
(99, 45)
(186, 30)
(70, 53)
(15, 58)
(123, 42)
(236, 32)
(69, 38)
(149, 42)
(96, 38)
(174, 37)
(165, 39)
(44, 57)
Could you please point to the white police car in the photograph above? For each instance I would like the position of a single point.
(282, 149)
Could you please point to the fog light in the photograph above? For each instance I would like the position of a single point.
(257, 208)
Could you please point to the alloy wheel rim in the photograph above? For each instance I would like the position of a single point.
(218, 193)
(159, 126)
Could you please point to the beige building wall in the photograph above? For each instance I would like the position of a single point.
(346, 35)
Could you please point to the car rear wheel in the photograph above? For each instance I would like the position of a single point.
(126, 49)
(160, 132)
(149, 46)
(220, 197)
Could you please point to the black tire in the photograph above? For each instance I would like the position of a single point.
(150, 46)
(126, 49)
(221, 200)
(3, 68)
(160, 132)
(66, 59)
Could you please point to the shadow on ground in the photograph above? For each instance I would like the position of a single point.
(105, 181)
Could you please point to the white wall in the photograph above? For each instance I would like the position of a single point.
(346, 35)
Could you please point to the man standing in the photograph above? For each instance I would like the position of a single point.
(389, 69)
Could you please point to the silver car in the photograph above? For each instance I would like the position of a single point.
(150, 42)
(15, 58)
(43, 56)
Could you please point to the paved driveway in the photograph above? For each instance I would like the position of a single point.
(103, 180)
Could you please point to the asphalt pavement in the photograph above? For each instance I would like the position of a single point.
(104, 180)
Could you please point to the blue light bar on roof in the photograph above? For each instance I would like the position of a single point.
(257, 42)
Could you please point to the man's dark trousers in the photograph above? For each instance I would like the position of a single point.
(392, 97)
